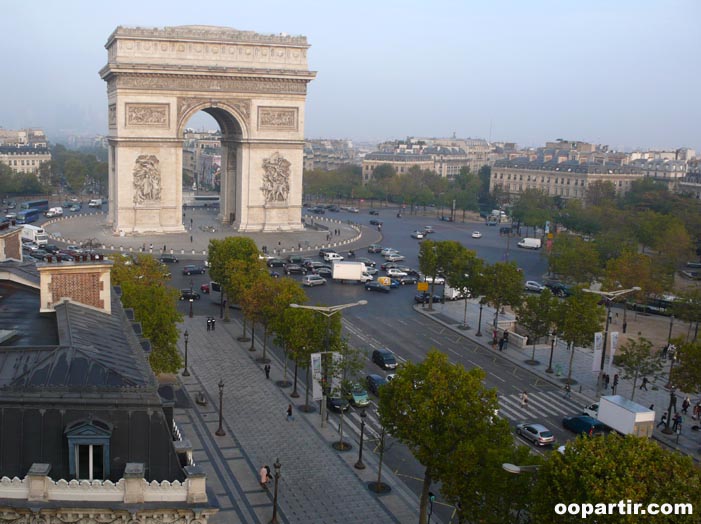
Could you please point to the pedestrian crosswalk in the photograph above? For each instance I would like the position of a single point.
(540, 404)
(352, 422)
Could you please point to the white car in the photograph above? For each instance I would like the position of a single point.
(476, 234)
(394, 272)
(313, 280)
(387, 250)
(418, 235)
(532, 285)
(330, 257)
(394, 257)
(592, 410)
(439, 280)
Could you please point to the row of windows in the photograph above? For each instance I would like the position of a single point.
(543, 179)
(22, 162)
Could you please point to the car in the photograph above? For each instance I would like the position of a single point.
(63, 257)
(189, 294)
(395, 272)
(388, 265)
(337, 403)
(428, 230)
(476, 234)
(375, 222)
(295, 259)
(536, 433)
(10, 216)
(324, 271)
(445, 218)
(29, 246)
(384, 358)
(592, 410)
(324, 250)
(409, 270)
(418, 235)
(204, 288)
(439, 279)
(192, 269)
(374, 212)
(371, 270)
(559, 289)
(74, 208)
(276, 262)
(375, 382)
(332, 257)
(395, 257)
(39, 254)
(424, 298)
(394, 284)
(535, 287)
(387, 251)
(51, 248)
(295, 269)
(390, 377)
(274, 274)
(585, 425)
(375, 248)
(164, 259)
(317, 210)
(409, 279)
(376, 286)
(353, 210)
(367, 261)
(333, 208)
(358, 396)
(313, 280)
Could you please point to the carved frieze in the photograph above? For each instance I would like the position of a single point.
(112, 115)
(147, 179)
(276, 178)
(68, 515)
(151, 115)
(277, 118)
(211, 84)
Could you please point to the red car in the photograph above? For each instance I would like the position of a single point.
(204, 288)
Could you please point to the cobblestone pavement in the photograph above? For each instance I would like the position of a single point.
(655, 328)
(317, 483)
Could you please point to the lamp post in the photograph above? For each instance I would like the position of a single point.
(359, 464)
(610, 297)
(277, 467)
(186, 336)
(669, 335)
(191, 301)
(328, 312)
(479, 322)
(220, 430)
(553, 338)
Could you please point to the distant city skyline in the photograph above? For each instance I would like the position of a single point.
(619, 73)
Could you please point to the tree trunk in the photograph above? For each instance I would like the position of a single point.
(425, 488)
(569, 371)
(253, 337)
(635, 382)
(533, 352)
(306, 394)
(295, 393)
(464, 317)
(265, 340)
(284, 373)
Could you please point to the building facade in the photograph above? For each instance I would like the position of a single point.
(24, 158)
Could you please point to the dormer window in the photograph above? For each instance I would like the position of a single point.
(89, 449)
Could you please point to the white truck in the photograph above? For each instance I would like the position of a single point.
(95, 202)
(529, 243)
(35, 234)
(54, 212)
(350, 272)
(452, 294)
(625, 416)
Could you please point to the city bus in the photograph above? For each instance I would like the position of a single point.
(202, 201)
(40, 205)
(655, 305)
(28, 216)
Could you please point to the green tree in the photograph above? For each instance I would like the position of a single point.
(609, 469)
(154, 304)
(688, 308)
(578, 318)
(537, 314)
(426, 407)
(255, 300)
(687, 371)
(503, 286)
(574, 259)
(281, 292)
(297, 333)
(221, 253)
(533, 208)
(600, 194)
(74, 170)
(465, 273)
(637, 359)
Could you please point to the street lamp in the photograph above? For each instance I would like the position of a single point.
(277, 467)
(186, 335)
(669, 335)
(220, 430)
(610, 297)
(553, 338)
(479, 322)
(359, 464)
(191, 301)
(328, 312)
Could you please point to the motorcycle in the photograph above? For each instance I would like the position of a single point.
(351, 254)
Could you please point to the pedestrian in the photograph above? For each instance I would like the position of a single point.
(568, 391)
(697, 411)
(164, 248)
(150, 246)
(524, 400)
(264, 476)
(214, 323)
(606, 380)
(652, 407)
(644, 384)
(685, 405)
(616, 320)
(209, 323)
(190, 239)
(673, 401)
(506, 338)
(266, 368)
(615, 384)
(501, 343)
(664, 352)
(677, 420)
(663, 422)
(289, 413)
(625, 326)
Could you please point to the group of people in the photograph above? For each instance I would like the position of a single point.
(500, 342)
(607, 380)
(211, 323)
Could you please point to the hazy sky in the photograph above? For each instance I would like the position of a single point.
(623, 73)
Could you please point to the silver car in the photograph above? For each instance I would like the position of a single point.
(313, 280)
(536, 433)
(535, 287)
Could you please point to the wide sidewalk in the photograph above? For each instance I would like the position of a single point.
(655, 328)
(317, 483)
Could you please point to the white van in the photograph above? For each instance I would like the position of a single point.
(529, 243)
(95, 202)
(54, 212)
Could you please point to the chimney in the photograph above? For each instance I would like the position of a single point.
(10, 242)
(86, 282)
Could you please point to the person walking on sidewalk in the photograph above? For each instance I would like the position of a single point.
(663, 422)
(685, 405)
(209, 323)
(644, 384)
(677, 419)
(697, 411)
(289, 413)
(264, 476)
(214, 323)
(266, 368)
(615, 384)
(568, 391)
(606, 380)
(502, 341)
(524, 400)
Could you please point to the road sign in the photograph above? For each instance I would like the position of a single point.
(422, 286)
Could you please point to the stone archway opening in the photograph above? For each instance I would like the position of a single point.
(253, 85)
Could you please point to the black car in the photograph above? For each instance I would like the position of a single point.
(324, 271)
(317, 211)
(189, 294)
(374, 212)
(374, 248)
(585, 425)
(276, 262)
(295, 269)
(194, 270)
(337, 404)
(368, 262)
(424, 298)
(376, 286)
(168, 259)
(409, 279)
(375, 382)
(333, 208)
(51, 248)
(375, 222)
(384, 358)
(39, 254)
(559, 289)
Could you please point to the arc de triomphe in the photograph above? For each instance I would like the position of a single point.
(253, 85)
